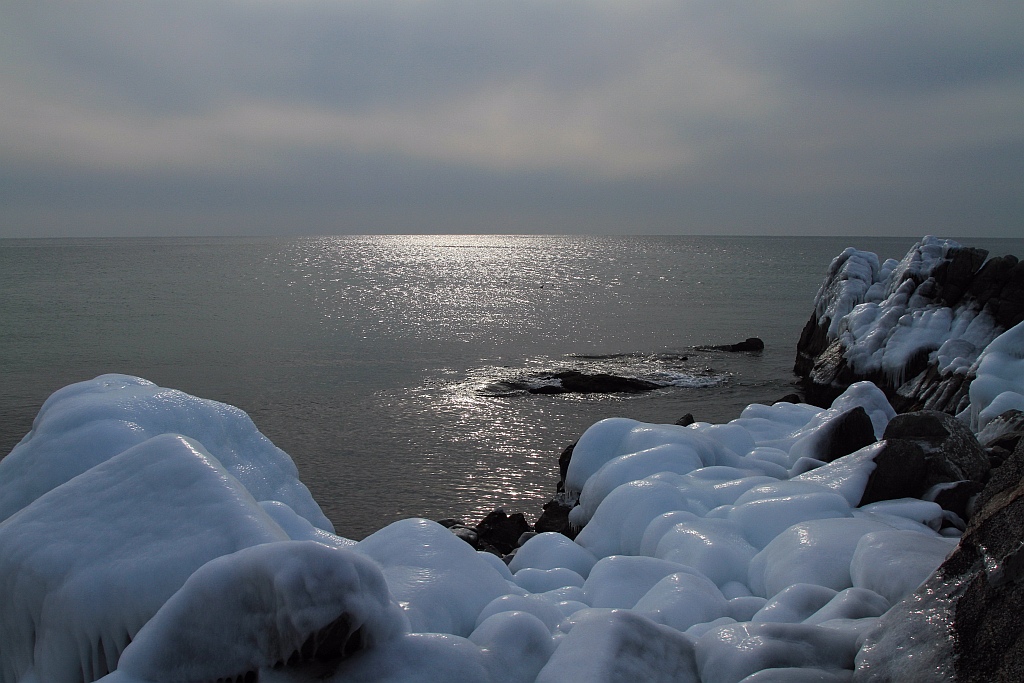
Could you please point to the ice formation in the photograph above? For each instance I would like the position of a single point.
(887, 315)
(150, 536)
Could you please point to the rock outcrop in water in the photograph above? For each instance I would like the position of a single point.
(914, 328)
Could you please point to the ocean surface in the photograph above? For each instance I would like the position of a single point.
(390, 367)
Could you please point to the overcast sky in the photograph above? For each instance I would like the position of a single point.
(513, 116)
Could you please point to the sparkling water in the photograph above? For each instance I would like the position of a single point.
(395, 369)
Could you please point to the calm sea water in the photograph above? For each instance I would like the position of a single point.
(382, 364)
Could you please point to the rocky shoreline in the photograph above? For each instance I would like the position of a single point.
(925, 453)
(147, 535)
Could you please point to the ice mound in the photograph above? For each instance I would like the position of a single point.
(86, 423)
(998, 385)
(295, 605)
(726, 552)
(87, 564)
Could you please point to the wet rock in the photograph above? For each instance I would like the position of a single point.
(951, 449)
(686, 420)
(966, 622)
(500, 531)
(573, 381)
(555, 518)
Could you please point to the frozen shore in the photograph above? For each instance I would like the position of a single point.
(147, 535)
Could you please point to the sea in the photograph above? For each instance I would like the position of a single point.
(395, 370)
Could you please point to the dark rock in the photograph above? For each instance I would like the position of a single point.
(900, 470)
(957, 496)
(468, 535)
(750, 344)
(573, 381)
(501, 531)
(686, 420)
(988, 623)
(524, 538)
(844, 434)
(554, 518)
(449, 522)
(966, 621)
(789, 398)
(951, 449)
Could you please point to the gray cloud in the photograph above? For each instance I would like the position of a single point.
(242, 116)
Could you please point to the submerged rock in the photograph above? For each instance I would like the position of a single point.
(573, 381)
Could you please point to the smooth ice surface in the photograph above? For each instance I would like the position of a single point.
(439, 580)
(87, 423)
(1000, 378)
(731, 653)
(550, 550)
(816, 552)
(894, 563)
(261, 607)
(621, 646)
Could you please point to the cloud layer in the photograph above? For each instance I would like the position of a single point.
(318, 116)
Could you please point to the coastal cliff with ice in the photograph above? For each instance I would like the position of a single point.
(147, 535)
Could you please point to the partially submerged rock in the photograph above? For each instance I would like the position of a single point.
(748, 344)
(574, 381)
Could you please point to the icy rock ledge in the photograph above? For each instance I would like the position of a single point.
(708, 553)
(916, 327)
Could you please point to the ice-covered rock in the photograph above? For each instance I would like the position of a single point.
(618, 645)
(440, 582)
(998, 385)
(733, 552)
(731, 653)
(295, 605)
(915, 327)
(85, 565)
(85, 424)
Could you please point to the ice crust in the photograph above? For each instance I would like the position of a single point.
(135, 552)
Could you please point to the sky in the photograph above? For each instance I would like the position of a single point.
(281, 117)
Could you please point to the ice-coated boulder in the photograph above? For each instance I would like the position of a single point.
(294, 605)
(613, 646)
(894, 563)
(915, 327)
(88, 563)
(552, 551)
(998, 385)
(85, 424)
(731, 653)
(441, 582)
(818, 552)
